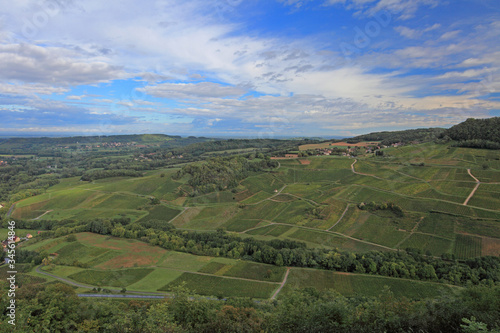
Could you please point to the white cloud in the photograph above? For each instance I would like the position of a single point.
(191, 91)
(415, 33)
(450, 34)
(52, 66)
(29, 89)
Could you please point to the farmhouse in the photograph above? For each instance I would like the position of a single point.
(1, 206)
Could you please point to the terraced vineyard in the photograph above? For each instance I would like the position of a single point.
(306, 201)
(322, 203)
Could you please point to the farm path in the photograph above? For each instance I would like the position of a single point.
(345, 211)
(36, 218)
(470, 174)
(10, 209)
(363, 174)
(327, 231)
(362, 241)
(274, 195)
(413, 230)
(282, 284)
(79, 285)
(473, 190)
(336, 233)
(410, 176)
(301, 198)
(262, 226)
(410, 197)
(176, 216)
(221, 276)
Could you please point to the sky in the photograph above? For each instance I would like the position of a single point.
(252, 68)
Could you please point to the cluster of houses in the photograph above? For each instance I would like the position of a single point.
(3, 163)
(106, 145)
(16, 239)
(150, 156)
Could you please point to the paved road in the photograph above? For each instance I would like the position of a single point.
(121, 296)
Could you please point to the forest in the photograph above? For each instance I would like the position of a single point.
(387, 138)
(55, 307)
(476, 133)
(218, 174)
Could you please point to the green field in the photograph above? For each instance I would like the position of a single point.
(467, 247)
(434, 245)
(221, 287)
(118, 278)
(361, 285)
(299, 201)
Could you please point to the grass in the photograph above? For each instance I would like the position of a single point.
(435, 245)
(161, 212)
(4, 233)
(116, 278)
(66, 255)
(467, 246)
(221, 287)
(210, 217)
(184, 261)
(155, 280)
(295, 213)
(271, 230)
(213, 267)
(241, 225)
(213, 198)
(255, 271)
(318, 237)
(362, 285)
(380, 231)
(438, 224)
(257, 197)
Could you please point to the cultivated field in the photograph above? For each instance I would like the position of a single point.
(315, 201)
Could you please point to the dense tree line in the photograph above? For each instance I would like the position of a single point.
(477, 143)
(391, 206)
(219, 173)
(100, 174)
(56, 308)
(387, 138)
(261, 144)
(476, 133)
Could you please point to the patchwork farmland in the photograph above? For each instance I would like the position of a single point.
(321, 202)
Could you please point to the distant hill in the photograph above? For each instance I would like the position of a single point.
(387, 138)
(476, 133)
(95, 139)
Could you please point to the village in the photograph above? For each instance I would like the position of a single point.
(336, 148)
(16, 239)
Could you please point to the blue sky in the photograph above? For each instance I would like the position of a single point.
(246, 68)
